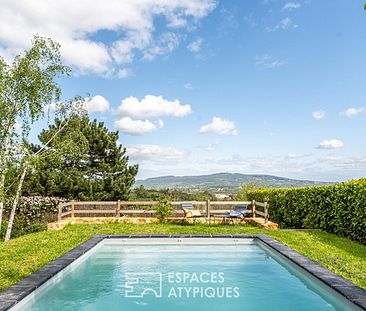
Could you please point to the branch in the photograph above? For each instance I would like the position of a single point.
(51, 139)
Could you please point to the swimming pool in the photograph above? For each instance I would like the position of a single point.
(188, 273)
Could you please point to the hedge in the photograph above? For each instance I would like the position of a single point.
(339, 208)
(32, 215)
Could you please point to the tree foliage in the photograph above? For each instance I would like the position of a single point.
(142, 194)
(242, 194)
(27, 87)
(164, 209)
(90, 163)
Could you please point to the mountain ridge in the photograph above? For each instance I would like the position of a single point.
(226, 182)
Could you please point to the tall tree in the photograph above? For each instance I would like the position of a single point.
(93, 165)
(242, 194)
(27, 86)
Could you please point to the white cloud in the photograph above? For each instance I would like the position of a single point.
(73, 24)
(219, 126)
(188, 86)
(282, 25)
(87, 56)
(291, 6)
(152, 106)
(285, 23)
(299, 166)
(352, 112)
(153, 153)
(195, 46)
(50, 108)
(330, 144)
(268, 62)
(344, 163)
(213, 145)
(96, 104)
(296, 156)
(309, 167)
(318, 114)
(123, 73)
(137, 127)
(166, 43)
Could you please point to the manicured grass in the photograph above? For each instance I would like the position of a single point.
(21, 256)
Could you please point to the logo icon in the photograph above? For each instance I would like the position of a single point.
(140, 284)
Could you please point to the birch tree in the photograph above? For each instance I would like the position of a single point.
(31, 160)
(27, 87)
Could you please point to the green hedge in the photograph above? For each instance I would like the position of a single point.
(32, 215)
(339, 208)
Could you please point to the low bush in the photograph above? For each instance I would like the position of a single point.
(339, 208)
(164, 209)
(32, 215)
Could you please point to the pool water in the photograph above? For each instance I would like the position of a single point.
(201, 275)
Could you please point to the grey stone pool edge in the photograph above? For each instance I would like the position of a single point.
(24, 287)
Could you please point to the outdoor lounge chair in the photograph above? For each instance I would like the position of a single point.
(190, 212)
(238, 212)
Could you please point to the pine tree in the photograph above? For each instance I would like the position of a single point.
(90, 164)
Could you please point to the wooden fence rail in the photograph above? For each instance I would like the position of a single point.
(119, 207)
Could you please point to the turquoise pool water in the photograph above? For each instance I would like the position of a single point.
(166, 275)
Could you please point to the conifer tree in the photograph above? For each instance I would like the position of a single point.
(91, 163)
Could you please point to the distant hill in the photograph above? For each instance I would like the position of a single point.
(222, 182)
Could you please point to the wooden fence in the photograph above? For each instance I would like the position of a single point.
(146, 208)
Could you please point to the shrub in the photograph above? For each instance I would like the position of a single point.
(32, 215)
(164, 209)
(339, 208)
(242, 194)
(20, 227)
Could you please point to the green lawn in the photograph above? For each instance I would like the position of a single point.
(21, 256)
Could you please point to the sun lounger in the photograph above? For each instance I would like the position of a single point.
(190, 212)
(238, 212)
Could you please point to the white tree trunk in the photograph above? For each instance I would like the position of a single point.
(1, 212)
(2, 177)
(2, 184)
(15, 204)
(20, 186)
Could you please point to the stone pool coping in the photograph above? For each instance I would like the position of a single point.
(24, 287)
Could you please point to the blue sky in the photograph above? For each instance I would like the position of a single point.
(197, 87)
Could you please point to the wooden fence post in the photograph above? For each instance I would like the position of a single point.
(72, 209)
(253, 208)
(266, 212)
(59, 212)
(208, 210)
(118, 209)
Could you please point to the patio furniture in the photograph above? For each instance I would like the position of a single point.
(190, 212)
(238, 212)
